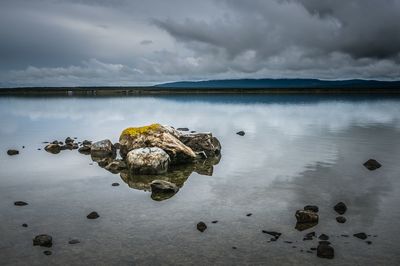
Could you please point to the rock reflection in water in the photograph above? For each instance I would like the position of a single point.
(176, 175)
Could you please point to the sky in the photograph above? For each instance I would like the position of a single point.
(132, 42)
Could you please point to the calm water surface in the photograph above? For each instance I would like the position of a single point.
(297, 150)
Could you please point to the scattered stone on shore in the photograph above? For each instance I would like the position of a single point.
(86, 143)
(362, 236)
(201, 226)
(214, 222)
(12, 152)
(74, 241)
(276, 235)
(249, 214)
(312, 208)
(102, 148)
(24, 225)
(148, 161)
(20, 203)
(323, 237)
(85, 150)
(309, 236)
(341, 219)
(340, 208)
(325, 251)
(161, 189)
(53, 148)
(68, 140)
(372, 164)
(23, 147)
(241, 133)
(43, 240)
(115, 184)
(182, 129)
(93, 215)
(368, 242)
(47, 252)
(234, 247)
(304, 216)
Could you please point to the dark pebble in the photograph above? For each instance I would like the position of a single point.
(288, 242)
(313, 248)
(372, 164)
(214, 222)
(272, 233)
(74, 241)
(20, 203)
(115, 184)
(23, 147)
(249, 214)
(323, 237)
(345, 235)
(43, 240)
(341, 219)
(47, 252)
(234, 247)
(24, 225)
(93, 215)
(308, 251)
(362, 236)
(201, 226)
(340, 208)
(182, 129)
(325, 251)
(12, 152)
(241, 133)
(368, 242)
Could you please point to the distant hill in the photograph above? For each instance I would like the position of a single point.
(283, 84)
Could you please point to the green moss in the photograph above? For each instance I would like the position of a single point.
(133, 131)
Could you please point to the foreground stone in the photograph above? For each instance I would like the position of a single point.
(161, 190)
(43, 240)
(304, 216)
(372, 164)
(155, 135)
(340, 208)
(12, 152)
(116, 166)
(325, 251)
(202, 142)
(20, 203)
(103, 148)
(148, 161)
(93, 215)
(201, 226)
(53, 148)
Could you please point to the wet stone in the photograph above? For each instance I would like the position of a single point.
(201, 226)
(43, 240)
(12, 152)
(341, 219)
(24, 225)
(241, 133)
(372, 164)
(368, 242)
(323, 237)
(340, 208)
(214, 222)
(93, 215)
(325, 251)
(20, 203)
(115, 184)
(47, 252)
(362, 236)
(249, 214)
(312, 208)
(74, 241)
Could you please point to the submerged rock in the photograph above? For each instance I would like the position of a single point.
(148, 161)
(43, 240)
(340, 208)
(372, 164)
(201, 226)
(312, 208)
(155, 135)
(241, 133)
(325, 251)
(20, 203)
(93, 215)
(362, 236)
(161, 189)
(304, 216)
(12, 152)
(103, 148)
(341, 219)
(53, 148)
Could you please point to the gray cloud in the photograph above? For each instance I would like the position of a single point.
(69, 42)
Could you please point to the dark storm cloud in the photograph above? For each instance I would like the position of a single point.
(84, 42)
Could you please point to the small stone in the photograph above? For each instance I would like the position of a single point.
(313, 248)
(53, 148)
(241, 133)
(372, 164)
(249, 214)
(68, 140)
(304, 216)
(340, 208)
(20, 203)
(368, 242)
(86, 143)
(362, 236)
(115, 184)
(272, 233)
(214, 222)
(93, 215)
(234, 247)
(24, 225)
(43, 240)
(341, 219)
(201, 226)
(182, 129)
(309, 251)
(312, 208)
(23, 147)
(47, 252)
(323, 237)
(324, 242)
(12, 152)
(74, 241)
(325, 251)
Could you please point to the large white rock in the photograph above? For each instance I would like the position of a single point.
(148, 161)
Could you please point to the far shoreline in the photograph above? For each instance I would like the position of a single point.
(137, 91)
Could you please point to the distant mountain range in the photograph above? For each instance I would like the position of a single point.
(283, 84)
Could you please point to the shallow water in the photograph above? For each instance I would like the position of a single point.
(297, 150)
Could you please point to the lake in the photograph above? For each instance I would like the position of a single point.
(297, 150)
